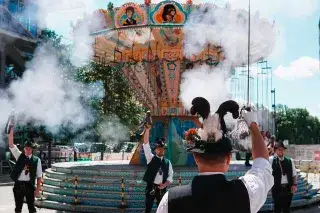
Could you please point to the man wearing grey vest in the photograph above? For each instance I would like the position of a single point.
(285, 179)
(210, 191)
(159, 173)
(26, 172)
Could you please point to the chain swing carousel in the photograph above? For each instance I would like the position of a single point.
(145, 43)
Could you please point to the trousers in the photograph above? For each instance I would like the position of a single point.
(282, 198)
(153, 192)
(23, 189)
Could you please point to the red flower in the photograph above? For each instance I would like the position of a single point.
(190, 133)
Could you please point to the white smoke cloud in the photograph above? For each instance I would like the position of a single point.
(47, 11)
(229, 29)
(304, 67)
(204, 82)
(83, 41)
(111, 130)
(46, 94)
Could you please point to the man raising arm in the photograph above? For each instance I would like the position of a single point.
(159, 172)
(210, 191)
(27, 170)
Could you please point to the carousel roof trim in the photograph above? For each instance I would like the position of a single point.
(150, 26)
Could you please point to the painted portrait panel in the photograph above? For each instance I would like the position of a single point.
(130, 14)
(168, 12)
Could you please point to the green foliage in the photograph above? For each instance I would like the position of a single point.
(297, 125)
(119, 98)
(129, 147)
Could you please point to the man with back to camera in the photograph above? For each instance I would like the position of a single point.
(159, 173)
(27, 170)
(210, 191)
(285, 179)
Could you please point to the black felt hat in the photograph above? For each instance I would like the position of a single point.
(31, 144)
(212, 138)
(279, 145)
(223, 145)
(160, 142)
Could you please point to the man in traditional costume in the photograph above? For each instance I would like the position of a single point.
(210, 191)
(26, 173)
(159, 173)
(285, 179)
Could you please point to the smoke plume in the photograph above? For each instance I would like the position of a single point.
(47, 94)
(206, 82)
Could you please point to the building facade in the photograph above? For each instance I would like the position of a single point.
(18, 37)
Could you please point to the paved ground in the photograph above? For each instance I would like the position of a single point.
(7, 204)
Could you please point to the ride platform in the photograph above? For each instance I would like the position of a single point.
(98, 186)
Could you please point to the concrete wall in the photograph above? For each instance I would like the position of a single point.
(307, 157)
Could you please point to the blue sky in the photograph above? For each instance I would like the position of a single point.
(296, 85)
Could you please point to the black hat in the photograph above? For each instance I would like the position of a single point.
(30, 144)
(160, 142)
(212, 138)
(223, 145)
(279, 145)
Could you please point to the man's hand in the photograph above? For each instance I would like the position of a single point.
(37, 192)
(10, 138)
(250, 117)
(162, 186)
(147, 127)
(146, 134)
(293, 189)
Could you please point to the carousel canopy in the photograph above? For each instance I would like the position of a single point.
(148, 43)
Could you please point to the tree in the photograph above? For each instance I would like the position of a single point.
(297, 125)
(119, 99)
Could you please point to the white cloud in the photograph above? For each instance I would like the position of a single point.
(314, 110)
(271, 8)
(304, 67)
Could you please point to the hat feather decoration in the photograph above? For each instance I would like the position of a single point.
(213, 125)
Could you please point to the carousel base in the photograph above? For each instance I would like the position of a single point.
(98, 186)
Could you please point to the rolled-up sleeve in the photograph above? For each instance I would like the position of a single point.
(15, 152)
(39, 169)
(163, 206)
(294, 170)
(258, 181)
(170, 174)
(147, 152)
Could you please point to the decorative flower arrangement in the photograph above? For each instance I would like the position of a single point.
(191, 134)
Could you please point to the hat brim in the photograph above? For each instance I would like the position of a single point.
(33, 145)
(221, 146)
(280, 147)
(160, 146)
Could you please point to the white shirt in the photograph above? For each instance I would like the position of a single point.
(16, 153)
(284, 179)
(258, 181)
(158, 179)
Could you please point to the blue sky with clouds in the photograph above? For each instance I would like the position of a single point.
(295, 59)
